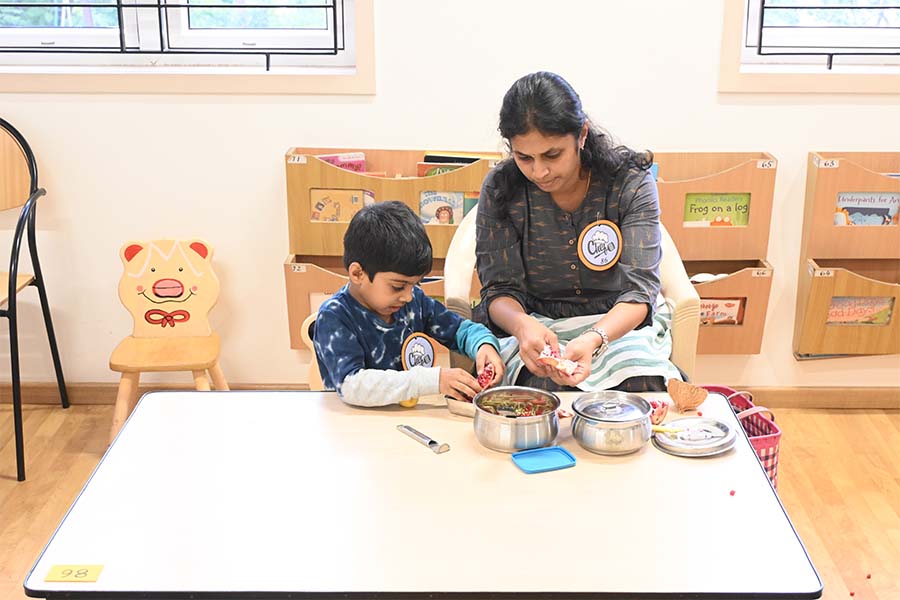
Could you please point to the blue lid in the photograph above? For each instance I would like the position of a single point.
(544, 459)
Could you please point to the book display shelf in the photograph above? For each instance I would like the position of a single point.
(327, 186)
(848, 290)
(718, 208)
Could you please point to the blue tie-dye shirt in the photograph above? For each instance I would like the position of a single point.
(349, 337)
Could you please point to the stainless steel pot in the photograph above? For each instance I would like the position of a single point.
(499, 424)
(611, 422)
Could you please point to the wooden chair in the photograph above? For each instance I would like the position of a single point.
(19, 187)
(675, 285)
(169, 287)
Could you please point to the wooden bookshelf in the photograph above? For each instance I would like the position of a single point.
(839, 175)
(308, 175)
(848, 283)
(309, 280)
(828, 323)
(684, 177)
(748, 282)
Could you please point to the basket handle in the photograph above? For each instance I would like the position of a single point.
(737, 394)
(755, 411)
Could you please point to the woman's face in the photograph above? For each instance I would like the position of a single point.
(551, 162)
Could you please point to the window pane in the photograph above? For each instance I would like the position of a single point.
(64, 16)
(857, 13)
(290, 14)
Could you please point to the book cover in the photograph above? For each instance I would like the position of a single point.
(867, 208)
(441, 208)
(336, 205)
(351, 161)
(860, 310)
(426, 169)
(716, 210)
(722, 311)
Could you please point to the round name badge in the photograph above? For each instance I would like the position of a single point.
(600, 245)
(418, 351)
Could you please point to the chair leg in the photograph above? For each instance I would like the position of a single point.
(200, 381)
(126, 398)
(218, 377)
(51, 336)
(17, 395)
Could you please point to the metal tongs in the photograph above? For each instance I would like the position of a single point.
(423, 439)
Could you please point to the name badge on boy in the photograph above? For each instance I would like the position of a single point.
(418, 351)
(600, 245)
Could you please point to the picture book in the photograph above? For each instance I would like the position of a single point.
(336, 205)
(425, 169)
(351, 161)
(867, 208)
(860, 310)
(441, 208)
(722, 311)
(716, 210)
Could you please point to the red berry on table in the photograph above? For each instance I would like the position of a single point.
(869, 576)
(852, 593)
(731, 493)
(699, 414)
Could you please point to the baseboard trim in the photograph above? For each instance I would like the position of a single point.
(773, 397)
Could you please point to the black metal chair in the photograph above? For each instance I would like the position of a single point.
(19, 187)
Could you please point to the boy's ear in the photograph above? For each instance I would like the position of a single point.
(356, 272)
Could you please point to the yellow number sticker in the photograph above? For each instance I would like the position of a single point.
(74, 573)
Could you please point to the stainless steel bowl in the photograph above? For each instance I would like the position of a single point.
(507, 432)
(611, 422)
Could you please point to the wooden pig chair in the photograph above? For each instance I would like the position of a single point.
(169, 287)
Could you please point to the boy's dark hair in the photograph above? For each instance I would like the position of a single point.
(388, 236)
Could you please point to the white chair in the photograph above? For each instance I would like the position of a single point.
(675, 284)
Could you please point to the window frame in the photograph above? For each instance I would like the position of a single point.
(736, 76)
(235, 74)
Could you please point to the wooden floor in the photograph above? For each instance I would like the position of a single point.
(839, 481)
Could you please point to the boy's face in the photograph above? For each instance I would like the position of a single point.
(386, 294)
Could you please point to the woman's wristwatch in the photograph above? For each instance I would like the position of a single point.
(604, 340)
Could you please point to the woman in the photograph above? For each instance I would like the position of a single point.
(568, 247)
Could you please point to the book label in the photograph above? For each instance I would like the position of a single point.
(867, 208)
(722, 311)
(336, 205)
(860, 310)
(716, 210)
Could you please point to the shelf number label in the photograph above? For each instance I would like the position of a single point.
(74, 573)
(823, 273)
(769, 163)
(827, 163)
(761, 273)
(297, 159)
(298, 268)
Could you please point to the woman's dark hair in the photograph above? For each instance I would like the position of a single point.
(546, 102)
(388, 236)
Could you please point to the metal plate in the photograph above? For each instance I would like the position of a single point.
(699, 437)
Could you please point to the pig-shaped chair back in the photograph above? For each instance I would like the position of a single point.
(169, 287)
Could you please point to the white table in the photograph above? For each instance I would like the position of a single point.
(289, 494)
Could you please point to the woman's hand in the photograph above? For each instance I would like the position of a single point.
(487, 355)
(458, 384)
(533, 337)
(580, 350)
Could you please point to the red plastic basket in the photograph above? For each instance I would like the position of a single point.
(759, 424)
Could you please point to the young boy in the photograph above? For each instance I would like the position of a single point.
(372, 328)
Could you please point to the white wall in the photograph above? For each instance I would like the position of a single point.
(121, 167)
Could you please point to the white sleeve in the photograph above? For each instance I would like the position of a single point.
(375, 387)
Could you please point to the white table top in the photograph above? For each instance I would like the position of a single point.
(224, 494)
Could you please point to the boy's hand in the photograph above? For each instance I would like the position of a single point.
(487, 355)
(458, 384)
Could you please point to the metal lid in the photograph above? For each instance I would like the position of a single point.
(699, 436)
(611, 407)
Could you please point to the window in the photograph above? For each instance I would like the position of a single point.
(811, 46)
(172, 33)
(826, 33)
